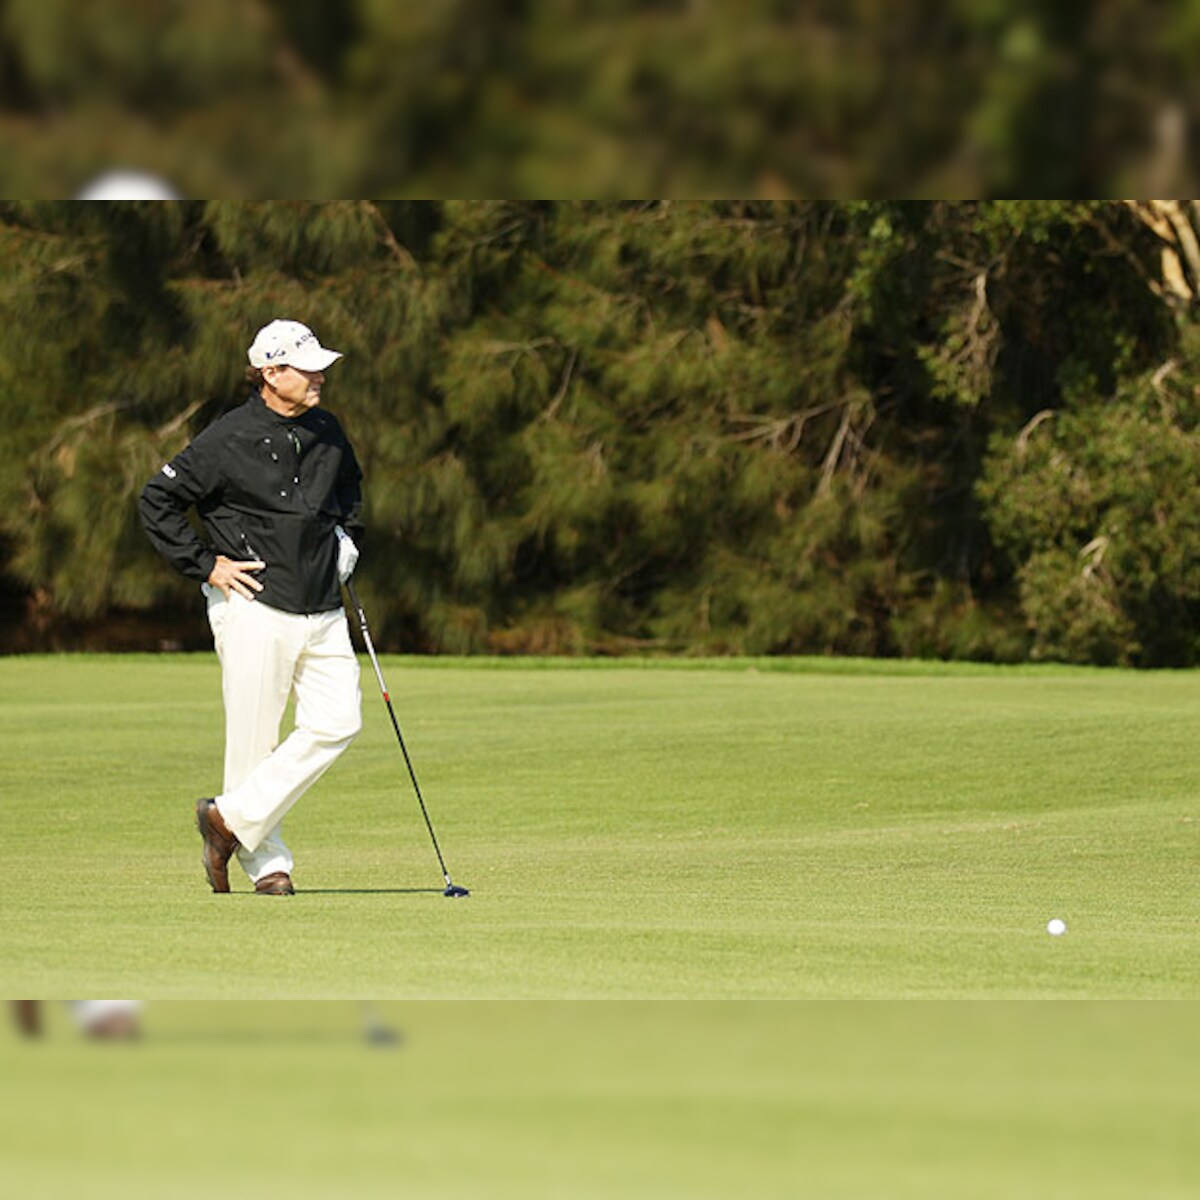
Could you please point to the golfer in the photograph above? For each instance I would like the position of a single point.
(108, 1020)
(278, 490)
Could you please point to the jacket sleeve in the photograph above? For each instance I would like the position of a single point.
(191, 477)
(349, 494)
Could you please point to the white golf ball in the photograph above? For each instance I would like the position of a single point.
(1056, 927)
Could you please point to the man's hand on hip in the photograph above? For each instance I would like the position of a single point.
(231, 576)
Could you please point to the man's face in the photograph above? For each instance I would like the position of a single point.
(302, 389)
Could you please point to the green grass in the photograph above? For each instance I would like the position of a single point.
(1094, 1101)
(741, 829)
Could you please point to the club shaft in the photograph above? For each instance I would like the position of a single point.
(387, 699)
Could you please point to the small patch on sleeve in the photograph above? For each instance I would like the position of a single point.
(169, 471)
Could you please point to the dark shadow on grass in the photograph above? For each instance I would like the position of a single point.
(307, 891)
(265, 1037)
(366, 891)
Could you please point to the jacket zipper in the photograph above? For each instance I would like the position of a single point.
(296, 447)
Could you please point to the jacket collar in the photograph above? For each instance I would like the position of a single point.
(313, 419)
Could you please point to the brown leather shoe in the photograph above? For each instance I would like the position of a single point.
(219, 843)
(278, 883)
(28, 1016)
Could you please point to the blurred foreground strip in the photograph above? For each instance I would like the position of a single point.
(636, 97)
(614, 1098)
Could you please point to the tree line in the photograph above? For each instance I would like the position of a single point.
(958, 430)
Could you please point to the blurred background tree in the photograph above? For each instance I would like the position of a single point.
(887, 428)
(591, 98)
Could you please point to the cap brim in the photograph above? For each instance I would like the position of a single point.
(314, 360)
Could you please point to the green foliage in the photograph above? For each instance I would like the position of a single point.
(152, 52)
(730, 427)
(1096, 505)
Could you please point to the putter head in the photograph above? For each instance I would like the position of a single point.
(452, 889)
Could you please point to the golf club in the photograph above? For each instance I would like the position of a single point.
(451, 889)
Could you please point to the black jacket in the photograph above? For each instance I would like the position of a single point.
(266, 487)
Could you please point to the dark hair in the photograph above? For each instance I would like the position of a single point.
(254, 377)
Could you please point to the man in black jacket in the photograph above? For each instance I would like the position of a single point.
(278, 489)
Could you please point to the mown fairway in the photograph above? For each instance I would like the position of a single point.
(994, 1100)
(779, 829)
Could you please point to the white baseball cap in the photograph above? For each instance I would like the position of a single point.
(291, 343)
(128, 185)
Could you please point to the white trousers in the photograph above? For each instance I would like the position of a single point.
(90, 1013)
(267, 656)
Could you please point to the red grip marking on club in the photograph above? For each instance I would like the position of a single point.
(386, 696)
